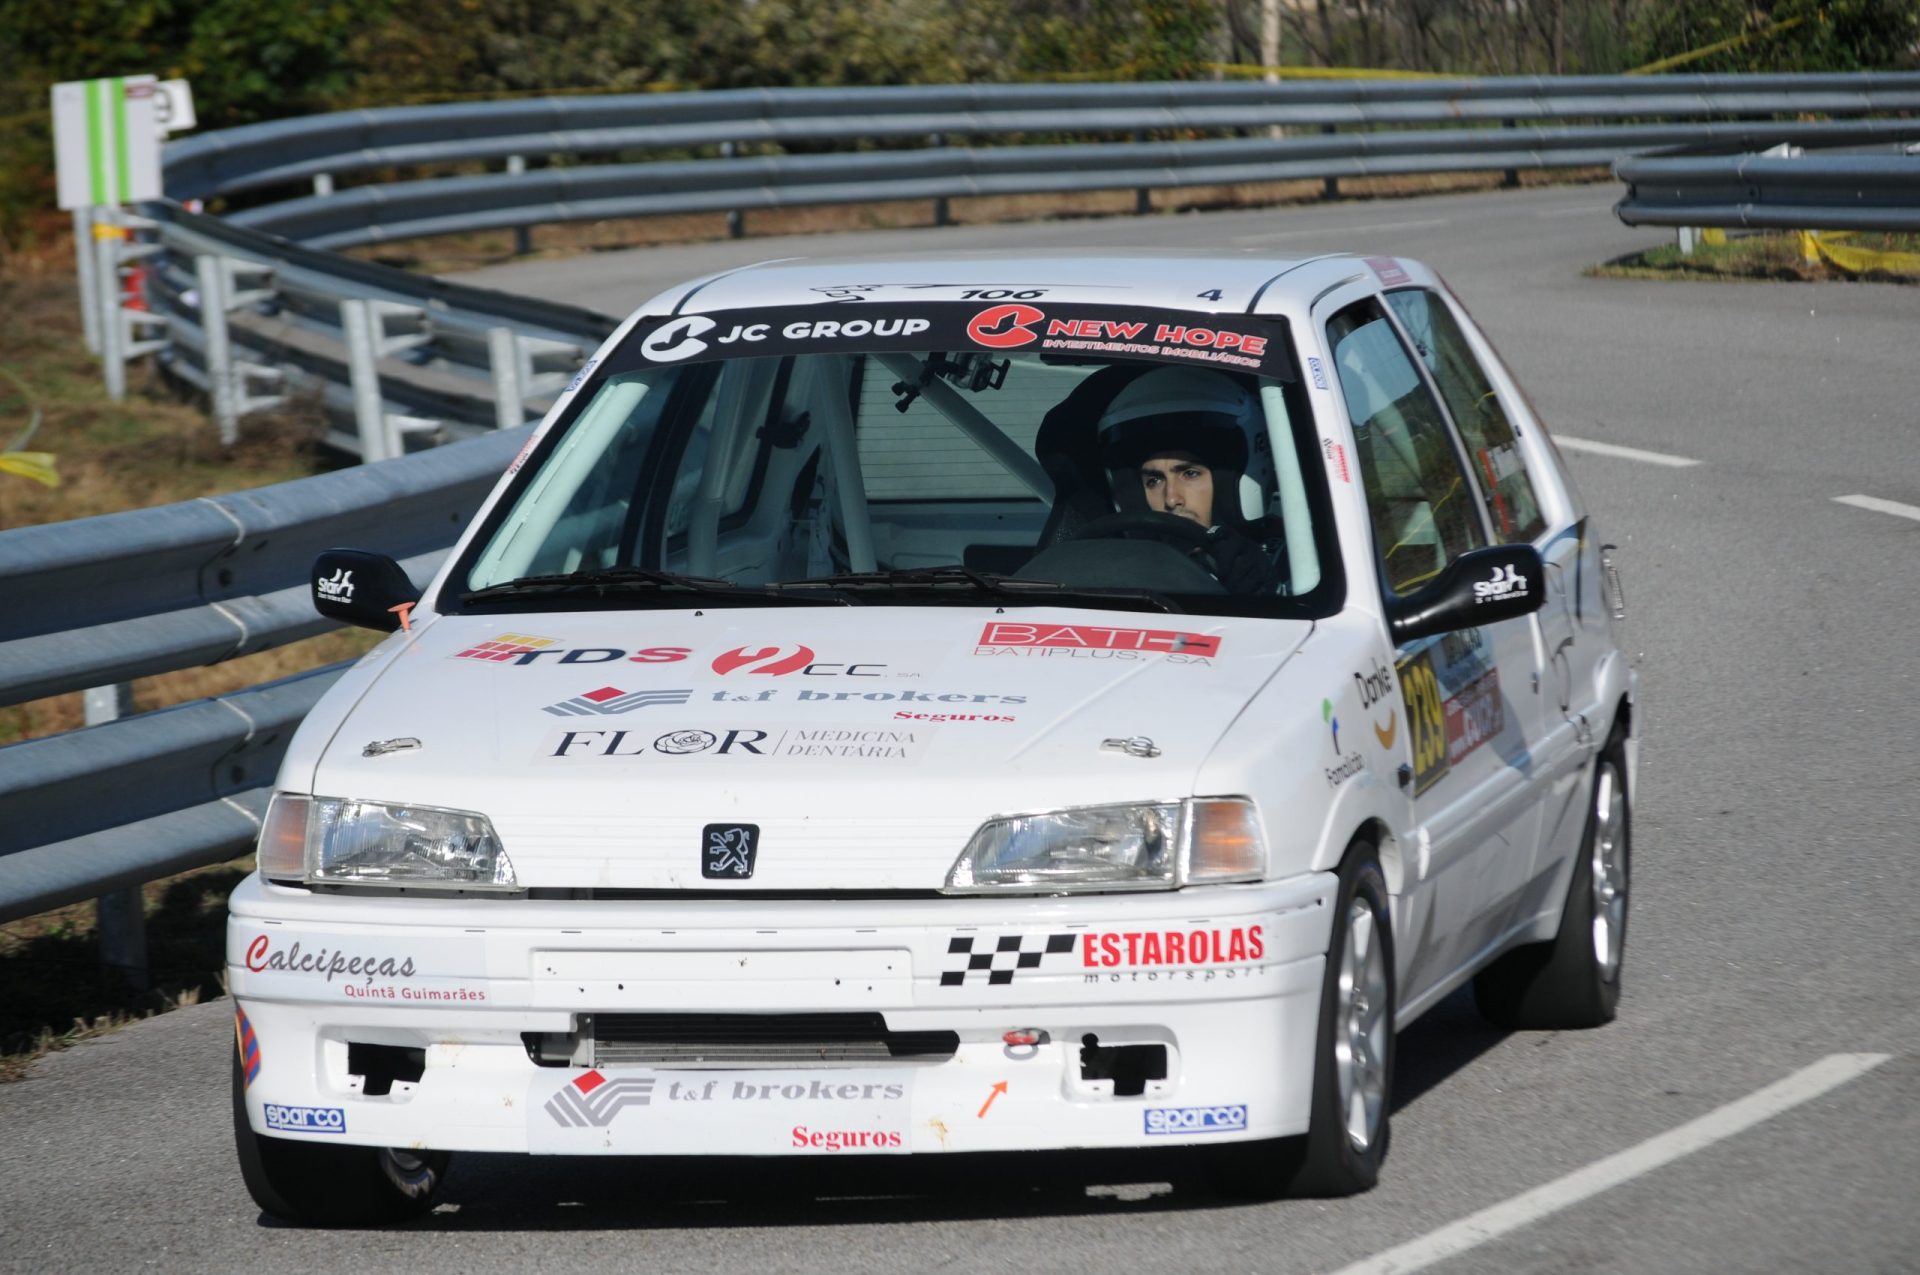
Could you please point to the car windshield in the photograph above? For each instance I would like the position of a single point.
(704, 463)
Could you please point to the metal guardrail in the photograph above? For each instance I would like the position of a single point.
(1778, 192)
(253, 302)
(125, 595)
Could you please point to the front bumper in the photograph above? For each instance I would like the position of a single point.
(1225, 979)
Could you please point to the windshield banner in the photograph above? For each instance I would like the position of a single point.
(1069, 333)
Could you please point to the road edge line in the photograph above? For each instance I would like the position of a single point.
(1724, 1122)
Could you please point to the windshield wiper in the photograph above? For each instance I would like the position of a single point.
(990, 583)
(615, 580)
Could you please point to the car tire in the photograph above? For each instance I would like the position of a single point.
(313, 1184)
(1348, 1130)
(1573, 980)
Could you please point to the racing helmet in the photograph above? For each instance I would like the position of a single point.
(1208, 413)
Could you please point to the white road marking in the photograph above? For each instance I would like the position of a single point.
(1583, 210)
(1880, 506)
(1717, 1125)
(1345, 231)
(1623, 453)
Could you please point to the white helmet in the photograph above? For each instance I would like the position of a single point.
(1198, 410)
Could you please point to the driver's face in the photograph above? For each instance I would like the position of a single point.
(1177, 483)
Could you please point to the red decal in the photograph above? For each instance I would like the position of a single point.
(772, 660)
(1002, 327)
(1096, 637)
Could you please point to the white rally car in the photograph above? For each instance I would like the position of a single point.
(932, 706)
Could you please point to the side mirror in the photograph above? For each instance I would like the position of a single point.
(1481, 586)
(365, 589)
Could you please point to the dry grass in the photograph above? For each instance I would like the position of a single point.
(1767, 256)
(54, 991)
(154, 448)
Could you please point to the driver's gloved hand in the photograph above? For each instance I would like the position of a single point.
(1244, 565)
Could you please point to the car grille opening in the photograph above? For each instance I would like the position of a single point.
(758, 1040)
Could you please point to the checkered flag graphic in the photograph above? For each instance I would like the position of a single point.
(1000, 958)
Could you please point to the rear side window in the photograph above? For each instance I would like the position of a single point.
(1417, 495)
(1484, 426)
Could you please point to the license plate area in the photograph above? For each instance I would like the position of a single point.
(599, 980)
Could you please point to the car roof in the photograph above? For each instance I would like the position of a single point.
(1158, 278)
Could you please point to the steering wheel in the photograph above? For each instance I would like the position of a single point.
(1182, 534)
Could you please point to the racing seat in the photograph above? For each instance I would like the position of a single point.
(1068, 448)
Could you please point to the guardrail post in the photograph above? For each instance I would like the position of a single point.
(106, 278)
(85, 263)
(1511, 177)
(363, 367)
(120, 917)
(509, 401)
(522, 235)
(942, 214)
(323, 183)
(1688, 238)
(213, 324)
(1142, 195)
(1329, 187)
(736, 223)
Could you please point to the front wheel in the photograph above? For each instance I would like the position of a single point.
(1573, 980)
(1346, 1139)
(317, 1185)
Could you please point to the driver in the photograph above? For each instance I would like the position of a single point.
(1191, 443)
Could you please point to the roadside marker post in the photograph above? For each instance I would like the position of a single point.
(106, 144)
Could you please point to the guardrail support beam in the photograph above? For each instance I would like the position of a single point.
(942, 212)
(120, 917)
(509, 399)
(736, 221)
(85, 263)
(377, 441)
(106, 278)
(213, 322)
(522, 235)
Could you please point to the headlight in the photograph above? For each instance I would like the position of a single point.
(1157, 846)
(335, 840)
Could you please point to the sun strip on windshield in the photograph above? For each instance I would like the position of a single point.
(1231, 342)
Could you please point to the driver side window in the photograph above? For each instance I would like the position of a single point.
(1418, 497)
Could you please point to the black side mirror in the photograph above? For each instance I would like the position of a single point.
(365, 589)
(1481, 586)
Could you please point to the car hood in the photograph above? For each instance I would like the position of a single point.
(864, 744)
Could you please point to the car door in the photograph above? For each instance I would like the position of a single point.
(1470, 696)
(1527, 500)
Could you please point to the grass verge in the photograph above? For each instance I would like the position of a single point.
(55, 993)
(1769, 256)
(155, 447)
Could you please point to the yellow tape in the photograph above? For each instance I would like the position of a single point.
(1325, 72)
(1714, 237)
(1681, 59)
(37, 466)
(1818, 244)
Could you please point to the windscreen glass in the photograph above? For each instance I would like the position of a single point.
(928, 454)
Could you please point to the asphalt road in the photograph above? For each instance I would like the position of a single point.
(1774, 903)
